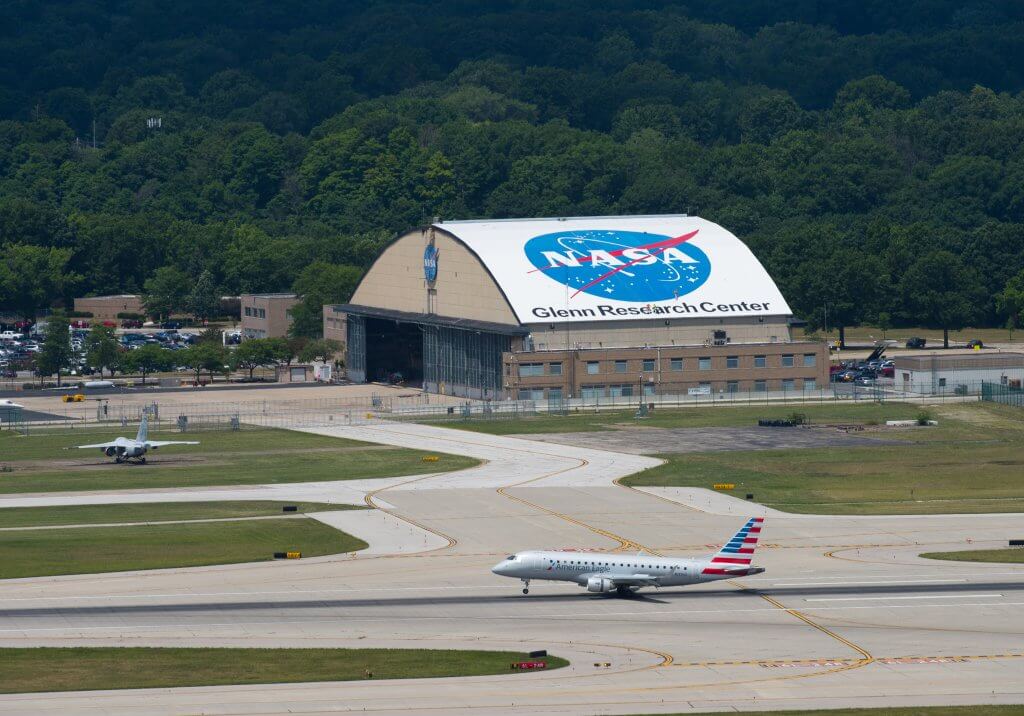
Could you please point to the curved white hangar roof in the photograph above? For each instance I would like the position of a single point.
(614, 268)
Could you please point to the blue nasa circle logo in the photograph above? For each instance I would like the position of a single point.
(621, 265)
(430, 255)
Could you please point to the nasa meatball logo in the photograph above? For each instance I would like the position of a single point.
(430, 255)
(631, 266)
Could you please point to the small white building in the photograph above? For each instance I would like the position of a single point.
(958, 373)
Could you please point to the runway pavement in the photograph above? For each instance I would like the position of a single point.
(847, 614)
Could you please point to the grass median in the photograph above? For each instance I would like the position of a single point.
(153, 512)
(709, 415)
(40, 463)
(86, 668)
(88, 550)
(996, 556)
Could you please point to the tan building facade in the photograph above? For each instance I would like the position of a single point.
(597, 373)
(266, 315)
(106, 308)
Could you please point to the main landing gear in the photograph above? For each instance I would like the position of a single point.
(526, 586)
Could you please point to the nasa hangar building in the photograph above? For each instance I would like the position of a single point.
(588, 307)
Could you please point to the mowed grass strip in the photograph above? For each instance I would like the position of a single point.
(906, 479)
(701, 416)
(1008, 555)
(255, 458)
(46, 444)
(87, 668)
(152, 512)
(36, 553)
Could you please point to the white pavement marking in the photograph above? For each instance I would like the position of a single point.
(929, 596)
(385, 533)
(859, 583)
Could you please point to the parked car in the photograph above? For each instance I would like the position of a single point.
(131, 323)
(171, 325)
(79, 323)
(975, 344)
(888, 371)
(916, 342)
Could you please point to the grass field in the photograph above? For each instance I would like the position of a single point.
(40, 464)
(87, 550)
(87, 668)
(972, 462)
(695, 417)
(151, 512)
(998, 556)
(865, 334)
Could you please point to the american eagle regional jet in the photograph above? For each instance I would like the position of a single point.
(624, 574)
(124, 449)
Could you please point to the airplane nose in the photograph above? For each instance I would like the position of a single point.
(499, 568)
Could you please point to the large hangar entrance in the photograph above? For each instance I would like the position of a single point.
(441, 355)
(394, 352)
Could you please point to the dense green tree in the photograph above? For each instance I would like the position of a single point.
(1010, 301)
(322, 349)
(320, 284)
(204, 300)
(147, 359)
(55, 354)
(102, 349)
(940, 291)
(166, 292)
(33, 277)
(255, 353)
(204, 356)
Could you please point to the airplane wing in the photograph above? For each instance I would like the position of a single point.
(636, 580)
(113, 443)
(161, 443)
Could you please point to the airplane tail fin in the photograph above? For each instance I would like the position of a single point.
(143, 429)
(735, 555)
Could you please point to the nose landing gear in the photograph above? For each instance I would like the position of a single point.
(526, 586)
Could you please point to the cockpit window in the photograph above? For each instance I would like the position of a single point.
(510, 558)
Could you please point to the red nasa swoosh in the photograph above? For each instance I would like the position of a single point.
(656, 247)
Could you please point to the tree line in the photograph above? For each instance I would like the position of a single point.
(869, 154)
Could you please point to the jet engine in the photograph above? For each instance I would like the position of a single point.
(600, 584)
(110, 451)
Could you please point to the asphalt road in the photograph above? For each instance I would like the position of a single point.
(846, 614)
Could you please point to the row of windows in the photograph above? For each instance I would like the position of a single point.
(626, 390)
(255, 312)
(786, 360)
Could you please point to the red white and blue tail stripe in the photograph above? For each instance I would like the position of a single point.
(736, 554)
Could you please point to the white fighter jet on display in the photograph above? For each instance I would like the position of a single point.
(125, 449)
(624, 574)
(8, 403)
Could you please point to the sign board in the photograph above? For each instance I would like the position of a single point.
(529, 665)
(621, 268)
(699, 390)
(430, 256)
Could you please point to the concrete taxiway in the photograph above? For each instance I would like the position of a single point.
(847, 613)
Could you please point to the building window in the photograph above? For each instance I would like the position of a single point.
(288, 314)
(760, 386)
(593, 367)
(530, 370)
(732, 361)
(787, 361)
(620, 366)
(263, 313)
(788, 384)
(675, 364)
(649, 389)
(810, 360)
(620, 391)
(554, 368)
(248, 310)
(555, 393)
(760, 361)
(733, 386)
(704, 363)
(810, 384)
(591, 391)
(649, 364)
(531, 394)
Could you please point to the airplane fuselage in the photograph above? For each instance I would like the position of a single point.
(599, 571)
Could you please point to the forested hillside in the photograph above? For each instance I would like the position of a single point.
(871, 153)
